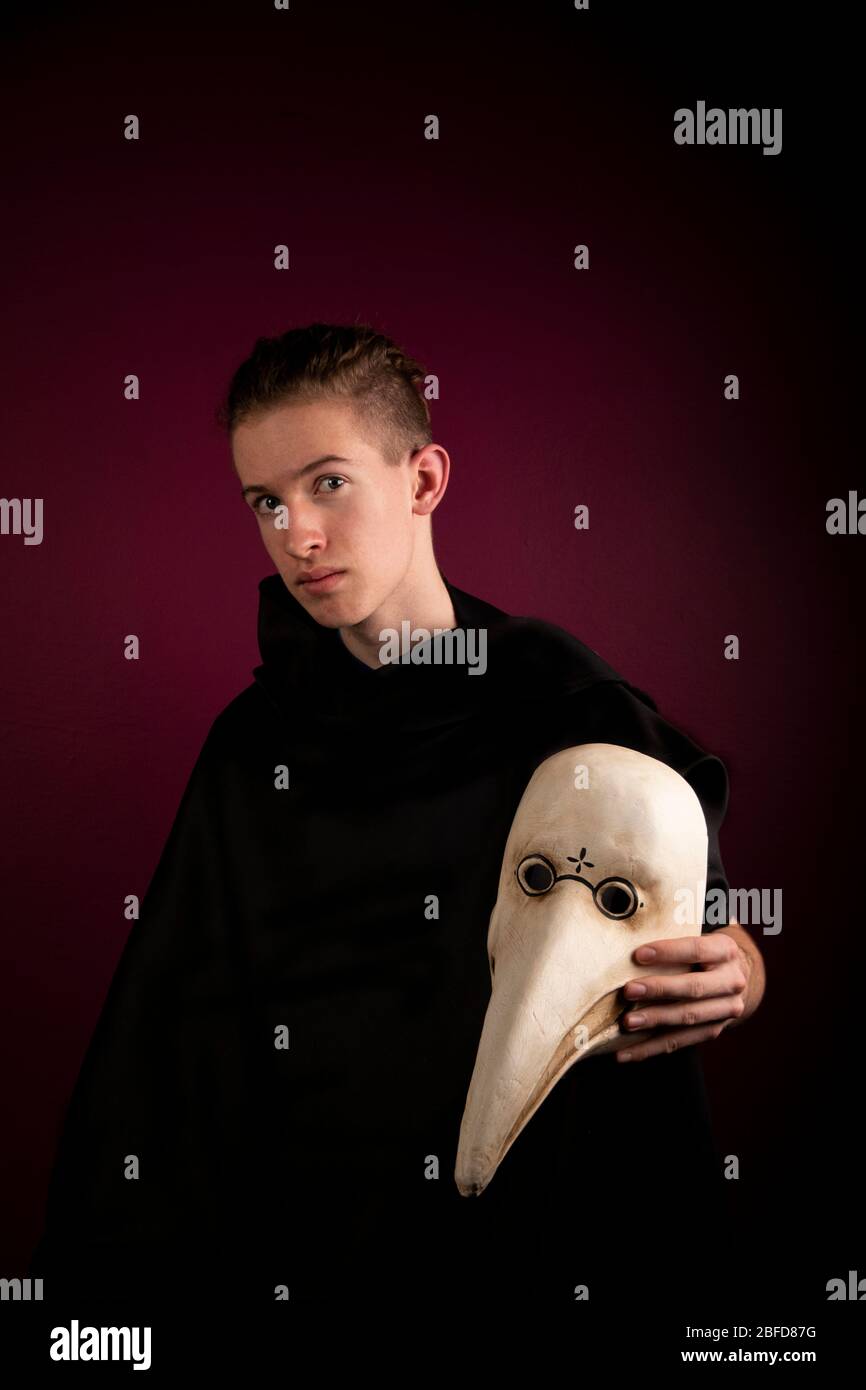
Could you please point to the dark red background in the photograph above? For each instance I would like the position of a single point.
(707, 516)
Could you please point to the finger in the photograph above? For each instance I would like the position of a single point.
(688, 1015)
(671, 1042)
(728, 977)
(688, 950)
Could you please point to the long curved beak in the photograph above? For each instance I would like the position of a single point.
(556, 997)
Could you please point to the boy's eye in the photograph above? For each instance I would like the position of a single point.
(260, 504)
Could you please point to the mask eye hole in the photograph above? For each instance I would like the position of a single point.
(535, 874)
(615, 897)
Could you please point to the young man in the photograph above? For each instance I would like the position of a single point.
(287, 1044)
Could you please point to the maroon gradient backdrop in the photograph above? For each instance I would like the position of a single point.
(605, 387)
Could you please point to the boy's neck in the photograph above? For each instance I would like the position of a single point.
(425, 604)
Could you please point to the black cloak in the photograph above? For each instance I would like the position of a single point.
(313, 1165)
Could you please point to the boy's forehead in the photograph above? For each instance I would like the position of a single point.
(295, 426)
(292, 437)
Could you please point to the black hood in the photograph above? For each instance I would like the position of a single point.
(351, 905)
(306, 667)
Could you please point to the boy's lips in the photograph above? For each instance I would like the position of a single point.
(320, 580)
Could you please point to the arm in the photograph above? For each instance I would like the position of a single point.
(752, 963)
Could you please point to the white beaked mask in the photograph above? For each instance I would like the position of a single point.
(603, 841)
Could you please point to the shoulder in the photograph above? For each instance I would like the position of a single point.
(553, 657)
(240, 719)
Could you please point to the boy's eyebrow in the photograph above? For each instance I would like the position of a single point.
(307, 468)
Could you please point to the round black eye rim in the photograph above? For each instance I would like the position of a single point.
(538, 859)
(621, 883)
(597, 891)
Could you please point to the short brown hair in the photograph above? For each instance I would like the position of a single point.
(327, 361)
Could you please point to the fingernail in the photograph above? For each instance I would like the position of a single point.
(624, 1056)
(646, 952)
(635, 1020)
(634, 990)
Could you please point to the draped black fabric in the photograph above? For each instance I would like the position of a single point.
(303, 908)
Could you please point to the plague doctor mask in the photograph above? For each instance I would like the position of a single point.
(603, 840)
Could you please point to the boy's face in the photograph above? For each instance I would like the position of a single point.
(354, 512)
